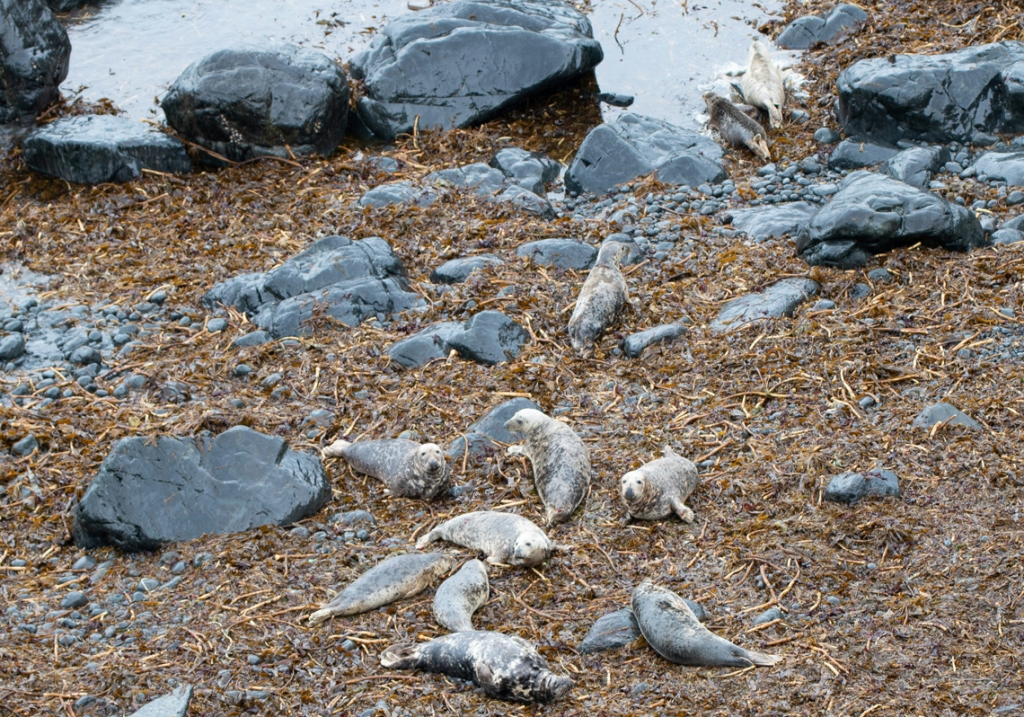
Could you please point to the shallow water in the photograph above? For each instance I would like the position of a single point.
(663, 52)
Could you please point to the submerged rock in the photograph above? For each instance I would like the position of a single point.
(851, 487)
(777, 301)
(460, 63)
(761, 223)
(636, 344)
(490, 337)
(807, 31)
(480, 436)
(34, 54)
(102, 148)
(559, 253)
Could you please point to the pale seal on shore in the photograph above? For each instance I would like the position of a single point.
(505, 538)
(409, 469)
(560, 460)
(762, 83)
(460, 596)
(673, 631)
(660, 488)
(735, 126)
(392, 579)
(602, 297)
(505, 667)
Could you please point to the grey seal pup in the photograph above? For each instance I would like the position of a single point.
(460, 596)
(560, 460)
(602, 297)
(409, 469)
(673, 631)
(507, 668)
(660, 488)
(391, 579)
(762, 83)
(506, 538)
(735, 126)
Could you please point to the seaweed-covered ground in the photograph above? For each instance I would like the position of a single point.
(895, 606)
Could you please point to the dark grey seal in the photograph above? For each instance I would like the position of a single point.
(673, 631)
(409, 469)
(460, 596)
(508, 668)
(660, 488)
(506, 538)
(735, 126)
(602, 297)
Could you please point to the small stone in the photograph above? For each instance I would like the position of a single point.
(880, 275)
(767, 616)
(254, 659)
(851, 487)
(823, 305)
(148, 585)
(946, 414)
(826, 135)
(243, 370)
(271, 380)
(26, 446)
(216, 325)
(74, 600)
(86, 562)
(179, 567)
(866, 402)
(300, 532)
(1015, 197)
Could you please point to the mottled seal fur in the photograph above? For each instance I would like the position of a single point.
(397, 577)
(762, 83)
(602, 297)
(410, 469)
(505, 538)
(735, 126)
(507, 668)
(460, 596)
(660, 488)
(673, 631)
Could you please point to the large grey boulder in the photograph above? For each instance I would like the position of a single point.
(777, 301)
(400, 192)
(428, 345)
(946, 414)
(150, 492)
(916, 165)
(1007, 166)
(635, 146)
(958, 96)
(248, 102)
(460, 63)
(530, 170)
(559, 253)
(807, 31)
(489, 337)
(635, 344)
(34, 54)
(102, 148)
(455, 271)
(873, 213)
(855, 154)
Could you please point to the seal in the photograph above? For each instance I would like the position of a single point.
(735, 126)
(659, 488)
(762, 83)
(673, 631)
(505, 538)
(560, 460)
(460, 596)
(601, 299)
(409, 469)
(392, 579)
(505, 667)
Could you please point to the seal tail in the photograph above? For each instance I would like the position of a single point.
(426, 539)
(335, 449)
(399, 656)
(761, 659)
(774, 115)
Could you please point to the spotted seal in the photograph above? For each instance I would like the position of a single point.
(659, 488)
(392, 579)
(505, 667)
(560, 460)
(673, 631)
(735, 126)
(602, 297)
(506, 538)
(409, 469)
(460, 596)
(762, 83)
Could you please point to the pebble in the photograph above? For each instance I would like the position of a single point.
(216, 325)
(243, 370)
(25, 446)
(767, 616)
(826, 135)
(1015, 197)
(86, 562)
(148, 585)
(73, 600)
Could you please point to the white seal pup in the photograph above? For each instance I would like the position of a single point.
(392, 579)
(735, 126)
(560, 460)
(602, 297)
(673, 631)
(460, 596)
(505, 538)
(505, 667)
(409, 469)
(660, 488)
(762, 83)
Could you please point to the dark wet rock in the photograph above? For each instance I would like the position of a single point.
(873, 213)
(851, 487)
(460, 63)
(402, 192)
(12, 346)
(610, 631)
(527, 201)
(34, 54)
(807, 31)
(778, 300)
(827, 135)
(1007, 166)
(881, 275)
(148, 492)
(1006, 235)
(482, 179)
(854, 154)
(102, 148)
(490, 337)
(458, 270)
(635, 146)
(559, 253)
(636, 344)
(530, 170)
(615, 99)
(85, 355)
(26, 446)
(174, 704)
(249, 102)
(67, 6)
(428, 345)
(959, 96)
(947, 415)
(491, 427)
(761, 223)
(916, 165)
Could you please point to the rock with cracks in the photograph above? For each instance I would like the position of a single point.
(762, 223)
(490, 337)
(34, 55)
(851, 487)
(777, 301)
(807, 31)
(916, 166)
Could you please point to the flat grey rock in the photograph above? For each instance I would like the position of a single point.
(805, 32)
(530, 170)
(482, 179)
(526, 201)
(174, 704)
(34, 55)
(490, 337)
(637, 343)
(777, 301)
(1007, 166)
(489, 428)
(401, 192)
(559, 253)
(944, 413)
(428, 345)
(854, 154)
(1005, 235)
(916, 166)
(773, 222)
(851, 487)
(456, 271)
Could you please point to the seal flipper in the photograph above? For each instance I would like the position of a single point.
(760, 659)
(680, 508)
(335, 449)
(399, 656)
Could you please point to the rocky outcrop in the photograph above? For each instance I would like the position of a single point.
(805, 32)
(460, 63)
(916, 166)
(34, 54)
